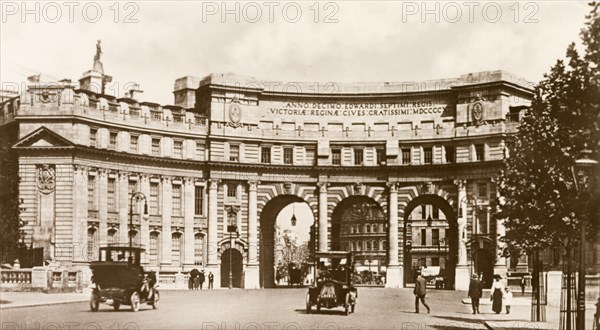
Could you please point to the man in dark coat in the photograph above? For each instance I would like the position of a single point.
(475, 293)
(420, 291)
(201, 279)
(211, 279)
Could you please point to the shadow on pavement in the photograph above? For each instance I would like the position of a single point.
(4, 302)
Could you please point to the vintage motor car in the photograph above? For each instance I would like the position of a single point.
(119, 279)
(334, 285)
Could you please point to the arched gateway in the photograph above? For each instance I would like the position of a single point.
(379, 165)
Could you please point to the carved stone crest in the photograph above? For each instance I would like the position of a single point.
(46, 179)
(477, 111)
(235, 113)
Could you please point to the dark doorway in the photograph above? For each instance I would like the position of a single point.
(484, 266)
(231, 259)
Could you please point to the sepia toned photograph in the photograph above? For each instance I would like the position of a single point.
(316, 165)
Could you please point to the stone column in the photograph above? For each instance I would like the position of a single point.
(79, 214)
(500, 267)
(123, 206)
(145, 224)
(323, 230)
(252, 278)
(395, 271)
(166, 191)
(188, 221)
(461, 281)
(212, 263)
(102, 207)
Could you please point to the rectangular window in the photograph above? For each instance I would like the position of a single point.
(336, 156)
(423, 211)
(199, 150)
(435, 261)
(176, 248)
(92, 193)
(176, 199)
(111, 238)
(265, 155)
(288, 156)
(155, 147)
(153, 198)
(435, 236)
(482, 189)
(133, 145)
(479, 152)
(428, 155)
(232, 190)
(177, 149)
(110, 195)
(406, 156)
(380, 156)
(423, 262)
(112, 140)
(234, 153)
(198, 244)
(198, 200)
(450, 154)
(358, 156)
(435, 212)
(423, 237)
(93, 134)
(153, 243)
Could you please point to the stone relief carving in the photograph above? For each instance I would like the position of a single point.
(46, 178)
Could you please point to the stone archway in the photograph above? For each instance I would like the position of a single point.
(359, 224)
(267, 222)
(450, 241)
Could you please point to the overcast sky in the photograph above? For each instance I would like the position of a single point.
(155, 42)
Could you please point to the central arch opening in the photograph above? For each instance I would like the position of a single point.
(286, 242)
(430, 241)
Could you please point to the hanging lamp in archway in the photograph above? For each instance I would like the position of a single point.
(293, 215)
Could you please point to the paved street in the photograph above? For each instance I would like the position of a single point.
(256, 309)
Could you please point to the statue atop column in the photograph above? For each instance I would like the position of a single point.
(97, 63)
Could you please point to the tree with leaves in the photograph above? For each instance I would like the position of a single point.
(539, 200)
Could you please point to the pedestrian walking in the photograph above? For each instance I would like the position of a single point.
(497, 292)
(508, 298)
(191, 282)
(523, 285)
(211, 279)
(475, 293)
(201, 278)
(420, 291)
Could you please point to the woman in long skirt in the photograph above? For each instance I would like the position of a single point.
(497, 291)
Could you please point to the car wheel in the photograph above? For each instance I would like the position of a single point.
(308, 305)
(135, 302)
(116, 305)
(156, 300)
(94, 303)
(347, 304)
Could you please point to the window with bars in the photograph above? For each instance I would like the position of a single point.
(450, 154)
(198, 247)
(198, 200)
(231, 190)
(234, 153)
(358, 157)
(435, 236)
(92, 244)
(153, 252)
(380, 156)
(155, 147)
(479, 152)
(406, 156)
(175, 248)
(112, 140)
(177, 149)
(336, 157)
(93, 137)
(91, 186)
(428, 155)
(265, 155)
(288, 156)
(154, 198)
(133, 144)
(482, 189)
(176, 199)
(110, 195)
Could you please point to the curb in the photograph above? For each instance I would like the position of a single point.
(8, 306)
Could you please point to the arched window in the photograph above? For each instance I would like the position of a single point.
(92, 244)
(198, 247)
(176, 249)
(368, 228)
(154, 245)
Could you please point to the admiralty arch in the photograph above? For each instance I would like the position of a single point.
(414, 163)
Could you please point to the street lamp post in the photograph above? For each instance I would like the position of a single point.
(231, 229)
(138, 196)
(584, 173)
